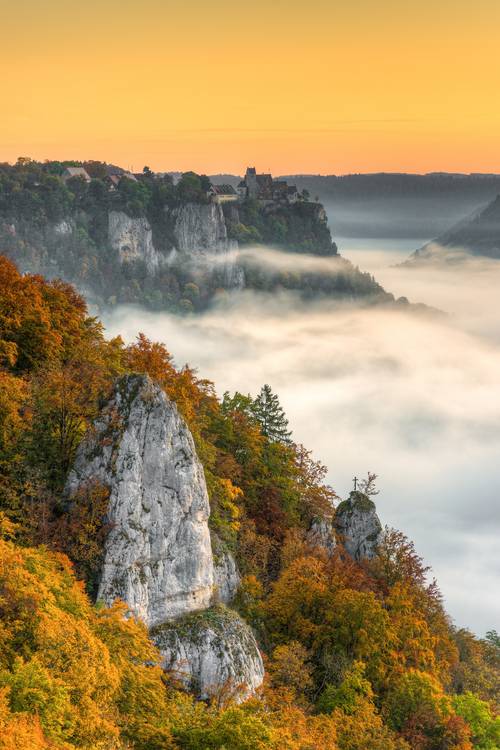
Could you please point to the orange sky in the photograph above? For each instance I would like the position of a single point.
(211, 85)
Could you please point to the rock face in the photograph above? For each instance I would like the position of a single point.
(133, 239)
(201, 235)
(358, 525)
(201, 242)
(227, 577)
(158, 556)
(211, 651)
(201, 229)
(322, 534)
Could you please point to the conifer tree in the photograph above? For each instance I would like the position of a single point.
(271, 417)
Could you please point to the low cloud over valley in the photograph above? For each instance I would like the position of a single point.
(413, 397)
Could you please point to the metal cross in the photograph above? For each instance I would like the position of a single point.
(355, 480)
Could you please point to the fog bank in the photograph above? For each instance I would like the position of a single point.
(415, 399)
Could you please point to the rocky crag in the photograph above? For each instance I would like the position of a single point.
(200, 249)
(166, 246)
(158, 554)
(355, 525)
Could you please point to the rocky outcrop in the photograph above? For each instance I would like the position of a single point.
(63, 228)
(200, 228)
(158, 553)
(132, 238)
(322, 534)
(200, 237)
(358, 525)
(201, 241)
(158, 556)
(210, 652)
(227, 577)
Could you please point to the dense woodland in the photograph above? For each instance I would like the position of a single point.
(298, 227)
(34, 201)
(358, 656)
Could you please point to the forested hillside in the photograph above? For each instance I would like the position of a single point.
(145, 240)
(359, 651)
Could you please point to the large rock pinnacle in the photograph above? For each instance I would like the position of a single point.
(158, 556)
(358, 525)
(158, 553)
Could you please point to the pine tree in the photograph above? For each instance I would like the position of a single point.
(271, 417)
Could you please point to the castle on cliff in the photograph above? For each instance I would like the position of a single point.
(261, 187)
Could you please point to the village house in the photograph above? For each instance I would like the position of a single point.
(70, 172)
(223, 193)
(115, 176)
(262, 187)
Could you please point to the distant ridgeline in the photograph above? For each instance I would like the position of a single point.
(164, 241)
(478, 234)
(395, 205)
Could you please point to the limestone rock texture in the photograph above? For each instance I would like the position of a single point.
(201, 228)
(133, 239)
(201, 235)
(227, 577)
(158, 556)
(322, 534)
(158, 553)
(358, 526)
(211, 651)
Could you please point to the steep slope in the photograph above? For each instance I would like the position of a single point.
(478, 234)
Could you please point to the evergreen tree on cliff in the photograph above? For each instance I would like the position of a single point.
(271, 417)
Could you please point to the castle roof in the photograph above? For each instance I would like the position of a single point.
(224, 189)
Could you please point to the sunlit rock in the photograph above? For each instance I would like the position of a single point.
(210, 652)
(158, 556)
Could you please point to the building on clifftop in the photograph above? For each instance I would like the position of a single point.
(262, 187)
(71, 172)
(223, 193)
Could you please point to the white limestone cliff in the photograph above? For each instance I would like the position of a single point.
(158, 553)
(158, 556)
(201, 242)
(227, 577)
(322, 534)
(200, 228)
(358, 526)
(132, 238)
(201, 239)
(211, 651)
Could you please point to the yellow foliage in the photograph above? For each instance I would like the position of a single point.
(20, 731)
(86, 675)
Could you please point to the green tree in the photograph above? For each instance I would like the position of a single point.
(477, 713)
(271, 417)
